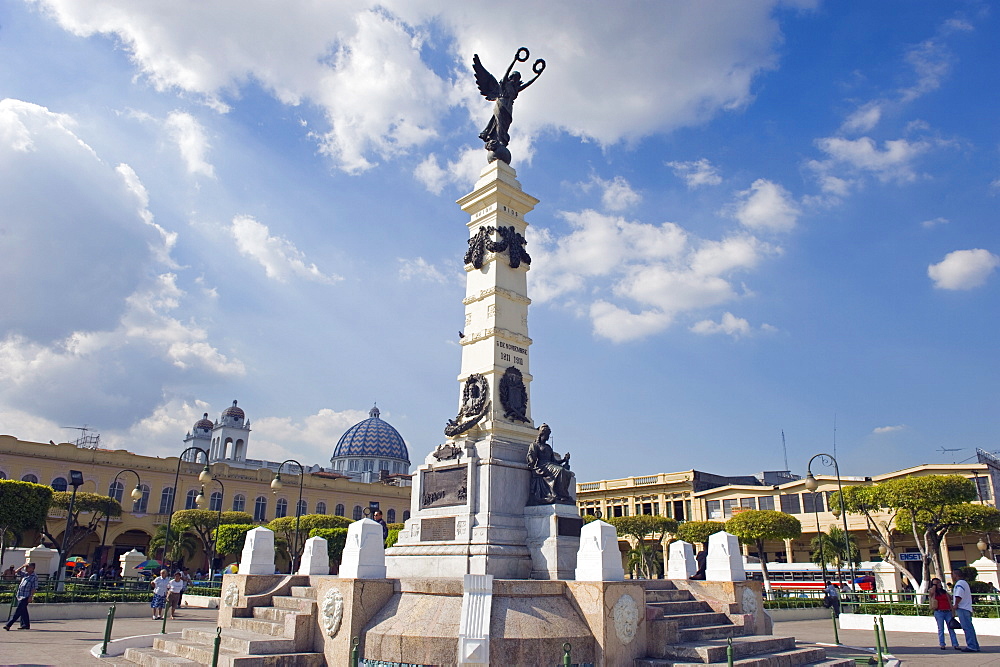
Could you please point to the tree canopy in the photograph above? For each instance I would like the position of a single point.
(645, 559)
(755, 526)
(23, 507)
(202, 524)
(229, 538)
(698, 532)
(94, 505)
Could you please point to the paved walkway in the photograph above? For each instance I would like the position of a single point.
(60, 643)
(911, 648)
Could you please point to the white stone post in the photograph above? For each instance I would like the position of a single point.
(681, 564)
(474, 626)
(987, 571)
(364, 553)
(258, 552)
(724, 563)
(46, 560)
(129, 561)
(315, 557)
(599, 558)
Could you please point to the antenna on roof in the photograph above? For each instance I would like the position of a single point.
(784, 449)
(945, 450)
(86, 441)
(834, 435)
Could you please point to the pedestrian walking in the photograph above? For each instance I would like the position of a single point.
(186, 578)
(25, 594)
(963, 609)
(159, 586)
(831, 597)
(940, 606)
(175, 588)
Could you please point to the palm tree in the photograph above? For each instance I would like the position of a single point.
(828, 548)
(182, 544)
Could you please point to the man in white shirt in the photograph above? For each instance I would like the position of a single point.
(963, 609)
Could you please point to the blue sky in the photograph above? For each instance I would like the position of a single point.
(754, 217)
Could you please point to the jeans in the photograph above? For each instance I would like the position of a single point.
(965, 618)
(942, 617)
(21, 614)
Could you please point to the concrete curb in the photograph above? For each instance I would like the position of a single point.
(117, 647)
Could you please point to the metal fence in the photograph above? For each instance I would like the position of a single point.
(984, 605)
(119, 590)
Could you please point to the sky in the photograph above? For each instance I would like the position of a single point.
(757, 220)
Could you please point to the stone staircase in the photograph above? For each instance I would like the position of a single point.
(280, 634)
(684, 630)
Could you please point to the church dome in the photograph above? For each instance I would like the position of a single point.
(372, 438)
(233, 411)
(204, 423)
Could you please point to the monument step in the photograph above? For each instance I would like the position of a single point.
(275, 614)
(668, 595)
(304, 592)
(199, 654)
(714, 650)
(303, 605)
(707, 632)
(815, 657)
(194, 651)
(699, 620)
(260, 626)
(244, 641)
(152, 657)
(684, 607)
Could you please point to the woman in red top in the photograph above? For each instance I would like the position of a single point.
(943, 612)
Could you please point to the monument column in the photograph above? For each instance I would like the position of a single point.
(469, 496)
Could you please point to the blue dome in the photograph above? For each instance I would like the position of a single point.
(372, 438)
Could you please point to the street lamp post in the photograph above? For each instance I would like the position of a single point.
(812, 485)
(819, 536)
(275, 487)
(136, 495)
(218, 522)
(203, 477)
(76, 481)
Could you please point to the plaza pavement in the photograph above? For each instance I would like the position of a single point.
(61, 643)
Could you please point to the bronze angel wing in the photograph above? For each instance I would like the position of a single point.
(488, 84)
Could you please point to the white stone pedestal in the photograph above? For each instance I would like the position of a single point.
(258, 552)
(364, 553)
(987, 570)
(553, 540)
(725, 562)
(315, 557)
(599, 558)
(887, 578)
(681, 563)
(46, 560)
(129, 561)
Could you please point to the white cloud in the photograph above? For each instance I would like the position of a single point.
(462, 172)
(189, 135)
(420, 269)
(864, 118)
(696, 173)
(617, 194)
(963, 269)
(766, 206)
(362, 62)
(310, 440)
(934, 222)
(279, 257)
(881, 430)
(737, 327)
(893, 162)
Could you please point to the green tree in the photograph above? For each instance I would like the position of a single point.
(202, 523)
(828, 548)
(229, 538)
(183, 543)
(284, 528)
(23, 507)
(336, 540)
(756, 526)
(941, 504)
(93, 506)
(392, 537)
(698, 532)
(647, 531)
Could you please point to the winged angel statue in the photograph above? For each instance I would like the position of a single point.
(496, 135)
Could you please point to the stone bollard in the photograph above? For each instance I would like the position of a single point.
(725, 562)
(599, 558)
(315, 557)
(258, 552)
(364, 553)
(681, 563)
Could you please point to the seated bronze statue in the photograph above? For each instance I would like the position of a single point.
(551, 479)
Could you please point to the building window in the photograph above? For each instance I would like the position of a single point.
(339, 511)
(260, 509)
(167, 500)
(812, 502)
(280, 508)
(116, 490)
(713, 508)
(765, 502)
(30, 478)
(748, 503)
(142, 505)
(983, 489)
(239, 503)
(369, 465)
(352, 465)
(59, 484)
(189, 503)
(790, 504)
(301, 508)
(215, 502)
(358, 513)
(338, 464)
(321, 507)
(383, 465)
(727, 507)
(391, 515)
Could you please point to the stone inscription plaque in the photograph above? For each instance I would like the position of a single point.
(569, 526)
(433, 530)
(441, 488)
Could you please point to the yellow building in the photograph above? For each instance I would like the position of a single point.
(693, 495)
(243, 485)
